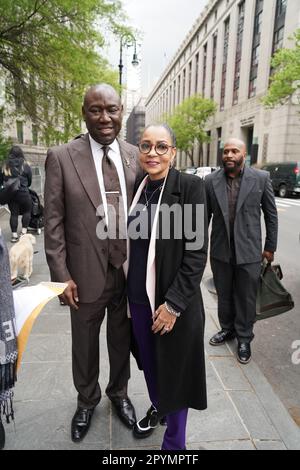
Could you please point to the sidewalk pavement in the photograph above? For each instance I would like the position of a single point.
(243, 411)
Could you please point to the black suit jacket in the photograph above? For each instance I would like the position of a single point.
(256, 195)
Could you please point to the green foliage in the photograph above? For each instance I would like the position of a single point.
(285, 83)
(49, 55)
(188, 122)
(5, 145)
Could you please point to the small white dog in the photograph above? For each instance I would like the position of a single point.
(21, 255)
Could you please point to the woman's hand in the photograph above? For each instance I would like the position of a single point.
(163, 321)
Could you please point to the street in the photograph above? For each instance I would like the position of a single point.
(272, 346)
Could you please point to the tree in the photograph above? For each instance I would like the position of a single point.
(49, 54)
(5, 145)
(285, 83)
(188, 122)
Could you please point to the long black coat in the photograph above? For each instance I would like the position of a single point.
(180, 353)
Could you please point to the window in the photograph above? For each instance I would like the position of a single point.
(278, 39)
(197, 72)
(18, 101)
(183, 84)
(279, 25)
(190, 79)
(255, 47)
(281, 7)
(238, 54)
(213, 71)
(167, 102)
(208, 149)
(224, 65)
(174, 94)
(20, 132)
(204, 69)
(34, 134)
(178, 88)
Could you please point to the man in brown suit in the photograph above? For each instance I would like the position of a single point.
(81, 177)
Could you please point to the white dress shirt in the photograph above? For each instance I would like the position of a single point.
(115, 155)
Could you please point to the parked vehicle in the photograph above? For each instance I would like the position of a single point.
(285, 177)
(203, 171)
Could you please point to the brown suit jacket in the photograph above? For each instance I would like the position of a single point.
(72, 196)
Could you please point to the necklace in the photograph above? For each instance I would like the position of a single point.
(145, 194)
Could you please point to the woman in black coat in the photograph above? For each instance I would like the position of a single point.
(167, 254)
(20, 204)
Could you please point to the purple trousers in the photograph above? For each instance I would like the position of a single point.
(174, 438)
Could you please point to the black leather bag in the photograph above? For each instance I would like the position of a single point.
(9, 188)
(272, 298)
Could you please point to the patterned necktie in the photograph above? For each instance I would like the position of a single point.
(115, 211)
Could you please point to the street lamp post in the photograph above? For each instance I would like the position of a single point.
(127, 41)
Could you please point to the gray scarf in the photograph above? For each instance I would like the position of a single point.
(8, 339)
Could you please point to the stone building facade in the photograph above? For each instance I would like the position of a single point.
(227, 57)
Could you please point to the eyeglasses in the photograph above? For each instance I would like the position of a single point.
(160, 149)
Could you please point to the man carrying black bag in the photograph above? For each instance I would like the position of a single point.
(236, 195)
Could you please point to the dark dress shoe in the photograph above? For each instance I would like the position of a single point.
(125, 411)
(244, 353)
(2, 436)
(145, 426)
(220, 337)
(81, 423)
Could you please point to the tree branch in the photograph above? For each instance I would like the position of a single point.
(25, 21)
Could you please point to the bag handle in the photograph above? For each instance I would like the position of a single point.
(267, 265)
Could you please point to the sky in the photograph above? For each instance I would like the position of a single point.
(163, 25)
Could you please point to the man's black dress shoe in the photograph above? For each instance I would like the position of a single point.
(220, 337)
(125, 411)
(145, 426)
(81, 423)
(2, 436)
(244, 353)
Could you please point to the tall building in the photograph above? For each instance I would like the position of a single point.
(136, 123)
(227, 57)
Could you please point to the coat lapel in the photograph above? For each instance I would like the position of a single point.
(219, 185)
(129, 165)
(81, 155)
(246, 186)
(169, 195)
